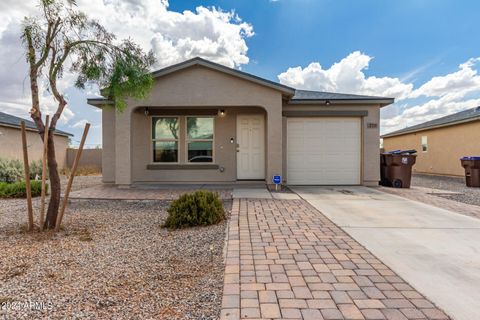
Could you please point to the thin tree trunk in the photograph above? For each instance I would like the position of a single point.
(54, 177)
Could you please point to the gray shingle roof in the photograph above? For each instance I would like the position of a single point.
(293, 95)
(13, 121)
(319, 95)
(459, 117)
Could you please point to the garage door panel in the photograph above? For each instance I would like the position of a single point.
(323, 151)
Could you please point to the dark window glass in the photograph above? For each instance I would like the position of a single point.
(165, 151)
(200, 151)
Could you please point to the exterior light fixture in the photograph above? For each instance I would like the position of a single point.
(327, 102)
(146, 112)
(221, 113)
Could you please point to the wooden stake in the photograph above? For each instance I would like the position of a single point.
(70, 180)
(44, 172)
(27, 177)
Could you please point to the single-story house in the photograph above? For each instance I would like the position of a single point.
(440, 142)
(207, 123)
(11, 140)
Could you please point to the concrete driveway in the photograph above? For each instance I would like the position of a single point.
(435, 250)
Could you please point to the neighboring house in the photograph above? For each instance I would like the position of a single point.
(207, 123)
(11, 140)
(441, 142)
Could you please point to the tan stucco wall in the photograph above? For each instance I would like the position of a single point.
(108, 144)
(126, 135)
(445, 147)
(370, 174)
(224, 151)
(198, 87)
(11, 145)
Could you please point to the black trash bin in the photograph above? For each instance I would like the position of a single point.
(472, 171)
(396, 168)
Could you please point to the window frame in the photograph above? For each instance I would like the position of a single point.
(422, 144)
(187, 140)
(153, 140)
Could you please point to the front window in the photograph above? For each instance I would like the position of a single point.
(165, 139)
(200, 139)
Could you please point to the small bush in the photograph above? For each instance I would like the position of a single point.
(18, 189)
(200, 208)
(35, 169)
(11, 170)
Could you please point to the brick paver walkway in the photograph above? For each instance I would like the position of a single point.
(285, 260)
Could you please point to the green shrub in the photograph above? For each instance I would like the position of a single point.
(11, 170)
(200, 208)
(18, 190)
(36, 170)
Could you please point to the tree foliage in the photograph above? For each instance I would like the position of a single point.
(62, 39)
(65, 37)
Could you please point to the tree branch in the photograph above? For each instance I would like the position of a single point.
(35, 111)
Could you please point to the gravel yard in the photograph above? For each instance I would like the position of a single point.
(454, 184)
(113, 260)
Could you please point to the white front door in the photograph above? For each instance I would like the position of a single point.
(323, 151)
(251, 147)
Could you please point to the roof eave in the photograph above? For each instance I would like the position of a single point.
(99, 102)
(449, 124)
(381, 102)
(58, 133)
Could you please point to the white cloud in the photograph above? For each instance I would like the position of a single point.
(348, 76)
(441, 95)
(79, 124)
(430, 110)
(173, 36)
(458, 83)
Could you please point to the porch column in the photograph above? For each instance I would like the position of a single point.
(123, 147)
(274, 142)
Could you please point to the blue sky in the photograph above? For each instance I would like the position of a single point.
(402, 36)
(422, 52)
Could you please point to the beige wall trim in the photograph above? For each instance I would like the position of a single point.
(326, 113)
(183, 167)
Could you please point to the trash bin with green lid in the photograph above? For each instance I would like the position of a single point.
(398, 168)
(472, 171)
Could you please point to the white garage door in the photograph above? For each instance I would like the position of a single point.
(323, 151)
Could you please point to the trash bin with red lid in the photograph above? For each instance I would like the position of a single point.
(472, 171)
